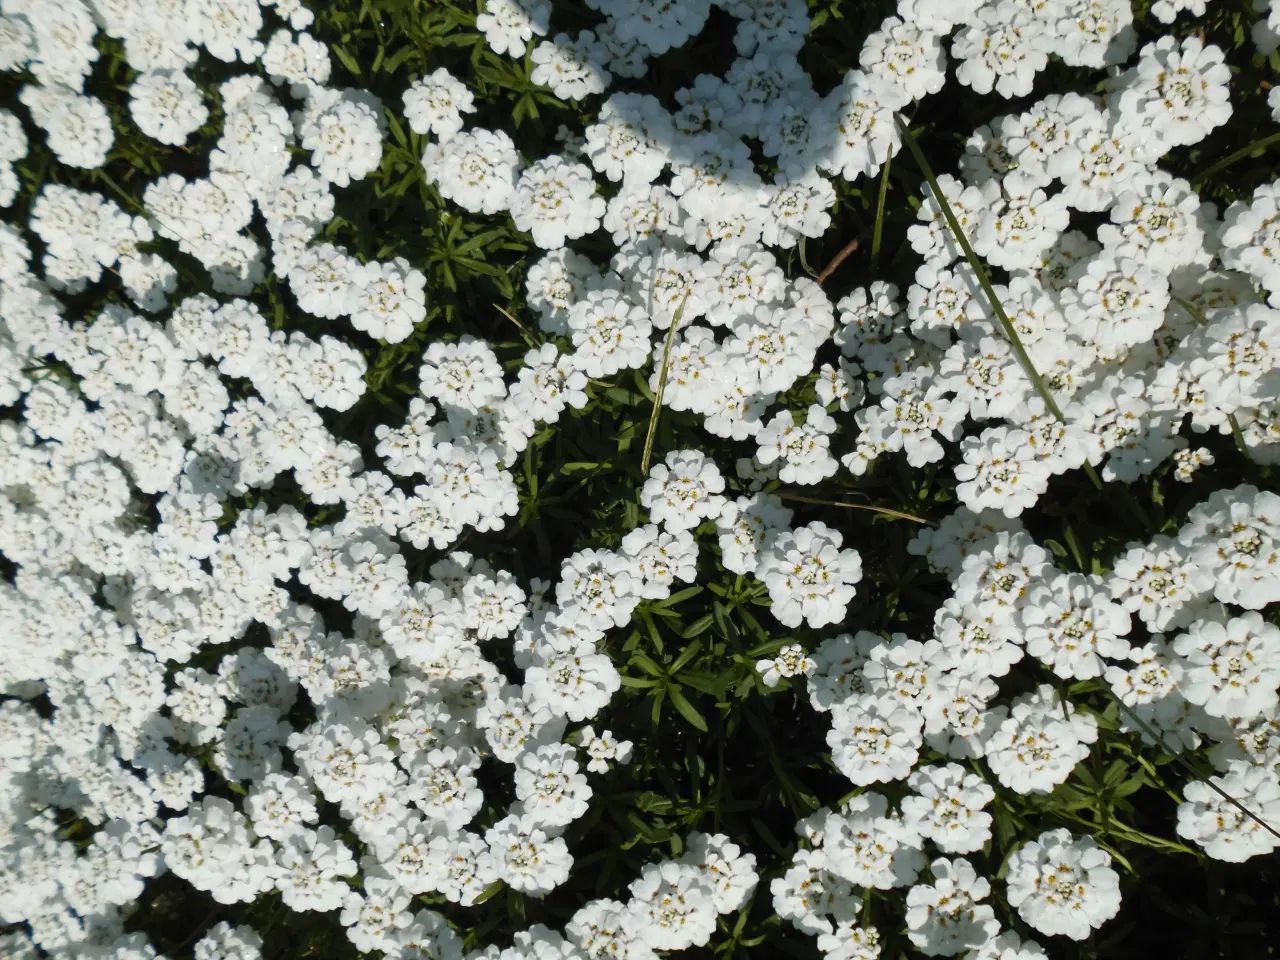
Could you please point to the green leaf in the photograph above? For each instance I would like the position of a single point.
(490, 891)
(582, 466)
(347, 59)
(687, 709)
(647, 665)
(638, 683)
(688, 653)
(715, 686)
(677, 597)
(701, 625)
(397, 59)
(1130, 787)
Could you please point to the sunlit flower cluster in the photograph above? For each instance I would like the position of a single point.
(260, 696)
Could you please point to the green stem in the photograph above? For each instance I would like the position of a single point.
(1229, 159)
(984, 279)
(1156, 738)
(119, 191)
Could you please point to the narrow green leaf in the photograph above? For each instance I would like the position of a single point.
(688, 653)
(701, 625)
(347, 59)
(687, 709)
(678, 597)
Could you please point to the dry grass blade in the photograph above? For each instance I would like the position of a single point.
(662, 384)
(887, 511)
(984, 281)
(529, 338)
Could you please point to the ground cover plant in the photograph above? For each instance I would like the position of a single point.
(614, 478)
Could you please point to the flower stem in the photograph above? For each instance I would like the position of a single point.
(1259, 144)
(1155, 738)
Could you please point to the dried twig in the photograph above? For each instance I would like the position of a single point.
(839, 258)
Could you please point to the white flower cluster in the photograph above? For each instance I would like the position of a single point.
(187, 417)
(148, 563)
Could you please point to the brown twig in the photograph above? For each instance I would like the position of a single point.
(839, 258)
(852, 506)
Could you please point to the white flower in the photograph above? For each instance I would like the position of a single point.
(1063, 886)
(948, 807)
(860, 113)
(810, 578)
(1020, 222)
(1154, 676)
(508, 25)
(1160, 221)
(1234, 537)
(573, 69)
(1000, 471)
(1159, 582)
(907, 58)
(309, 863)
(1251, 236)
(944, 919)
(683, 491)
(656, 25)
(572, 678)
(435, 103)
(548, 382)
(866, 846)
(343, 129)
(525, 857)
(631, 138)
(803, 450)
(1070, 624)
(745, 525)
(1116, 303)
(874, 740)
(1037, 743)
(388, 299)
(676, 903)
(475, 169)
(598, 586)
(1230, 668)
(77, 127)
(1003, 47)
(547, 782)
(604, 748)
(465, 374)
(791, 661)
(1221, 827)
(556, 201)
(661, 558)
(610, 333)
(1177, 95)
(166, 105)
